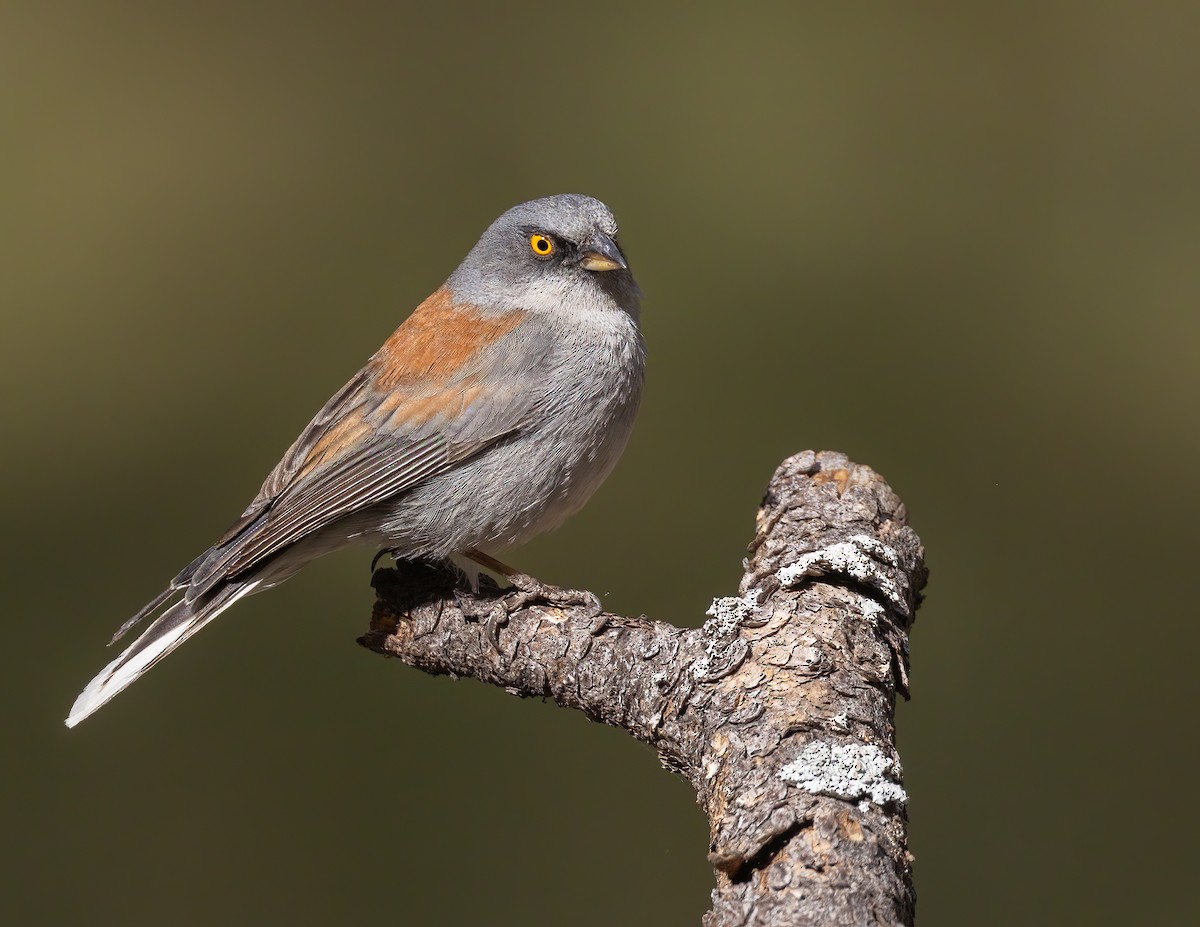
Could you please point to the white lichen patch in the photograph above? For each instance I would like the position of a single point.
(870, 609)
(846, 770)
(730, 611)
(727, 615)
(860, 557)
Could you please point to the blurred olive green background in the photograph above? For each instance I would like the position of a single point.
(957, 242)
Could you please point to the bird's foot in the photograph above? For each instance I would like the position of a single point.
(530, 591)
(526, 591)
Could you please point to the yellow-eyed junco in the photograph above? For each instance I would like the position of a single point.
(489, 416)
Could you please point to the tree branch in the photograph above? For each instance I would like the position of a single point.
(779, 710)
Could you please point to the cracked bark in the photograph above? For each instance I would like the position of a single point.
(779, 710)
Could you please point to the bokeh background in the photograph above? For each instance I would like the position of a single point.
(958, 242)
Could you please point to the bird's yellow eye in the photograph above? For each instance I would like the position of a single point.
(541, 245)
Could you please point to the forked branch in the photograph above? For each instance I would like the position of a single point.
(779, 710)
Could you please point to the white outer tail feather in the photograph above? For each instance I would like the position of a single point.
(123, 671)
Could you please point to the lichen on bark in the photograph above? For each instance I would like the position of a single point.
(779, 709)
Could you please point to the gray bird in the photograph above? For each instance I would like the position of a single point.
(491, 415)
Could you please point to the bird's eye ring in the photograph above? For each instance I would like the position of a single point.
(542, 246)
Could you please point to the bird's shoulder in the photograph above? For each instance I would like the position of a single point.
(441, 338)
(431, 368)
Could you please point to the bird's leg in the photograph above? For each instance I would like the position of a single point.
(528, 589)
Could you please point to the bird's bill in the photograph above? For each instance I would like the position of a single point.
(601, 253)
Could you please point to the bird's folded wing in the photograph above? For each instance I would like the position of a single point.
(351, 485)
(383, 433)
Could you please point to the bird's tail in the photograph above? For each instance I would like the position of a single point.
(174, 626)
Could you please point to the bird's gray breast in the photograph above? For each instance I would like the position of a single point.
(582, 382)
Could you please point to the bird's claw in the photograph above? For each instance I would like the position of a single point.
(492, 614)
(529, 591)
(525, 591)
(384, 552)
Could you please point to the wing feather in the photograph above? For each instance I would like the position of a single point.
(357, 484)
(418, 408)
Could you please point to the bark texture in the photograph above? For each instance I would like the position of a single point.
(779, 710)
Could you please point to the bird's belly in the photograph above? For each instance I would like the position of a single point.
(513, 491)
